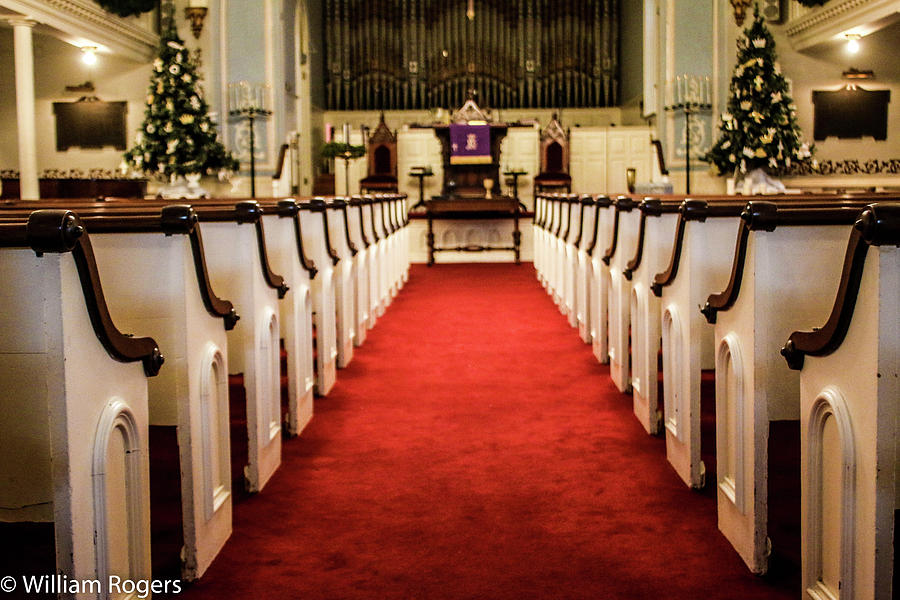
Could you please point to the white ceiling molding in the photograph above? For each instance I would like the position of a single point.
(808, 28)
(83, 19)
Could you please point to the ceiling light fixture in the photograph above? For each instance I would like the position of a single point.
(89, 55)
(853, 42)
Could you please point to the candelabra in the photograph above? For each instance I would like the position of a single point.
(249, 102)
(690, 94)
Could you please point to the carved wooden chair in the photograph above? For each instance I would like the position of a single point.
(382, 157)
(554, 175)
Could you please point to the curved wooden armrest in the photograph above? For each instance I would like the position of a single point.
(762, 215)
(292, 209)
(599, 202)
(371, 202)
(359, 204)
(60, 231)
(559, 211)
(582, 202)
(878, 225)
(250, 212)
(319, 205)
(623, 203)
(635, 262)
(353, 249)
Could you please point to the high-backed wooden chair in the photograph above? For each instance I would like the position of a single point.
(554, 175)
(382, 153)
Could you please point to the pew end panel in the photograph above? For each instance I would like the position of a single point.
(782, 286)
(323, 300)
(152, 287)
(849, 448)
(688, 340)
(620, 301)
(234, 265)
(296, 320)
(95, 445)
(646, 318)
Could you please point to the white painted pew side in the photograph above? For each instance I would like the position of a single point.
(849, 385)
(583, 271)
(787, 269)
(79, 451)
(700, 262)
(604, 226)
(560, 232)
(537, 227)
(284, 237)
(367, 212)
(152, 287)
(570, 258)
(394, 251)
(405, 240)
(545, 225)
(384, 288)
(654, 247)
(234, 259)
(312, 219)
(619, 302)
(344, 280)
(361, 241)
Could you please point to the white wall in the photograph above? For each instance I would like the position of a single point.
(56, 65)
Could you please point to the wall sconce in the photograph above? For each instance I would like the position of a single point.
(89, 55)
(740, 10)
(195, 12)
(853, 42)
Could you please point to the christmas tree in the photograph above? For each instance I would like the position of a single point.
(759, 128)
(177, 137)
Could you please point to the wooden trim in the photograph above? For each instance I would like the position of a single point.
(767, 216)
(358, 203)
(559, 221)
(649, 207)
(635, 262)
(291, 208)
(371, 202)
(60, 231)
(878, 225)
(623, 204)
(249, 211)
(319, 205)
(353, 249)
(599, 202)
(279, 163)
(585, 200)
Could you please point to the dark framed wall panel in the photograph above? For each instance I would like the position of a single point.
(423, 54)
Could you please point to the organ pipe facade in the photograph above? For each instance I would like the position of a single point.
(425, 54)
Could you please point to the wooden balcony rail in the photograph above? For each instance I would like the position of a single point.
(623, 204)
(60, 231)
(649, 207)
(767, 216)
(878, 225)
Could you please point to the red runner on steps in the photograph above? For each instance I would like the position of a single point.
(476, 449)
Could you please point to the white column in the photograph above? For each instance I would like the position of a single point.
(28, 176)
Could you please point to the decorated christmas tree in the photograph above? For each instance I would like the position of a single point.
(759, 128)
(177, 136)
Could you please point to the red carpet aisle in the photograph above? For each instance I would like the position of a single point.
(475, 449)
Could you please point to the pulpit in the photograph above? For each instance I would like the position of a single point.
(470, 149)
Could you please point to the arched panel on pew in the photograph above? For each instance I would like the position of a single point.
(766, 296)
(656, 230)
(361, 241)
(850, 369)
(345, 279)
(57, 328)
(616, 258)
(583, 271)
(603, 231)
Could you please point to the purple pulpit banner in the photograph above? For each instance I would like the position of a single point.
(470, 144)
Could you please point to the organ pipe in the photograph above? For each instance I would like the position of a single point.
(388, 54)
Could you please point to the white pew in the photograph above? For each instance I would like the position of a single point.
(315, 231)
(344, 279)
(178, 305)
(848, 413)
(584, 268)
(656, 230)
(393, 246)
(700, 261)
(570, 257)
(77, 452)
(384, 252)
(284, 234)
(239, 266)
(624, 236)
(537, 228)
(376, 266)
(604, 225)
(361, 241)
(784, 257)
(561, 219)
